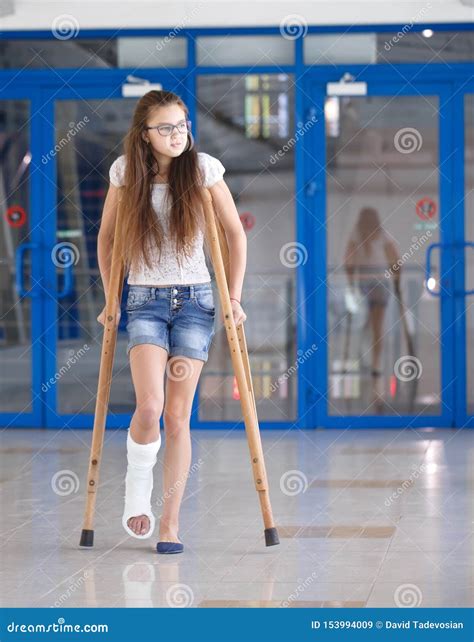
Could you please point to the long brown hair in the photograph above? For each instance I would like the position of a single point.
(369, 228)
(141, 226)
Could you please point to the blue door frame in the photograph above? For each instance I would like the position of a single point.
(459, 215)
(452, 322)
(43, 87)
(89, 91)
(34, 292)
(92, 91)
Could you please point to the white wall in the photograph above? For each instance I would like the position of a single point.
(90, 14)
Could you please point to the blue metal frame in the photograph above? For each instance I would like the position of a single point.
(459, 216)
(317, 202)
(33, 418)
(42, 86)
(85, 34)
(51, 96)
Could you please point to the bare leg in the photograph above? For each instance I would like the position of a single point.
(377, 315)
(182, 378)
(147, 364)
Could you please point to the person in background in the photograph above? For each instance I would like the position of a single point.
(369, 254)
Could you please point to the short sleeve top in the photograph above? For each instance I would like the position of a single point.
(211, 168)
(168, 271)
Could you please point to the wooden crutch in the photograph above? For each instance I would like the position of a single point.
(105, 377)
(215, 236)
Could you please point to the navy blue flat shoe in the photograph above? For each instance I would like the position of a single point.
(169, 547)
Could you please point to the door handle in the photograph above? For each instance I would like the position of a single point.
(63, 256)
(468, 244)
(19, 281)
(68, 281)
(429, 252)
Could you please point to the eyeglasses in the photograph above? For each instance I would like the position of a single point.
(166, 130)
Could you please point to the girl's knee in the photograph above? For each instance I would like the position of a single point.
(175, 422)
(148, 413)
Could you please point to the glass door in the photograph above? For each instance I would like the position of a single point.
(88, 135)
(381, 210)
(464, 218)
(254, 117)
(20, 277)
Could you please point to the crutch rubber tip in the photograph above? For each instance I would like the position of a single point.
(87, 537)
(271, 536)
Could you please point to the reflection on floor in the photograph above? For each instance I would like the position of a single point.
(366, 518)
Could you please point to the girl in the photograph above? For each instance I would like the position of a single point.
(170, 305)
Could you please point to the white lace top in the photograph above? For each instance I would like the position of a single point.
(168, 271)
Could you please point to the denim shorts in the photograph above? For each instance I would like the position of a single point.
(178, 318)
(375, 291)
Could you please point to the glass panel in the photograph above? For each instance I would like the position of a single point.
(89, 135)
(54, 53)
(69, 52)
(335, 48)
(469, 251)
(404, 46)
(152, 52)
(426, 46)
(244, 50)
(382, 214)
(319, 49)
(244, 121)
(15, 317)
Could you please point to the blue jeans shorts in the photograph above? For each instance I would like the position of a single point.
(178, 318)
(375, 291)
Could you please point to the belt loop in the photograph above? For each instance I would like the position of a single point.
(191, 291)
(153, 292)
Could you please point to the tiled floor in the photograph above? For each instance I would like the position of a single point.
(366, 518)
